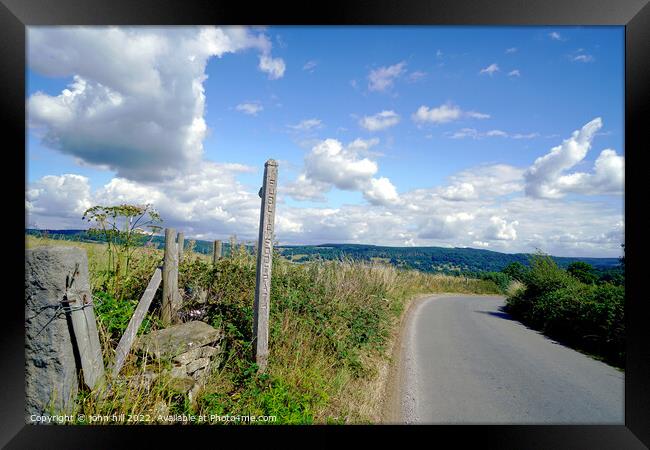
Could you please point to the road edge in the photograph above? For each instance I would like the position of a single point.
(392, 410)
(392, 406)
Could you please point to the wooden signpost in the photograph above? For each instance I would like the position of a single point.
(264, 260)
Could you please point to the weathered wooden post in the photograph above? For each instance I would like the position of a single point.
(124, 346)
(169, 277)
(264, 260)
(181, 244)
(216, 251)
(233, 243)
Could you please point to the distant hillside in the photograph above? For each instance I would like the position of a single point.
(426, 259)
(430, 259)
(83, 236)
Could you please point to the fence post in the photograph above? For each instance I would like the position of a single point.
(264, 260)
(233, 242)
(169, 277)
(216, 251)
(181, 244)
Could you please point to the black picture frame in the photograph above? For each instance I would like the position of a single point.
(15, 15)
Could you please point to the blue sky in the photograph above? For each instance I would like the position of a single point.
(385, 135)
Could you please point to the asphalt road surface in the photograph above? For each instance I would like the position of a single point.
(468, 362)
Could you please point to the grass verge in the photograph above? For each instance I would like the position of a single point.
(333, 325)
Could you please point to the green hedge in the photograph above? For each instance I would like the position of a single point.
(589, 317)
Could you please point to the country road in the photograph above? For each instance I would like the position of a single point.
(464, 361)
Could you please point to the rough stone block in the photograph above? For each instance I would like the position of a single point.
(187, 357)
(197, 364)
(179, 371)
(50, 366)
(198, 374)
(175, 340)
(209, 352)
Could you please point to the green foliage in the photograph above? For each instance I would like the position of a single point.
(114, 316)
(264, 395)
(587, 316)
(583, 272)
(516, 271)
(501, 279)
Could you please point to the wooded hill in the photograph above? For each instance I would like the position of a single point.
(427, 259)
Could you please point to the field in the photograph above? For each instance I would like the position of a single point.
(332, 327)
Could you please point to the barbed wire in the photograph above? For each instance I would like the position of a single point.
(63, 307)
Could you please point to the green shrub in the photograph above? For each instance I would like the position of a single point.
(516, 271)
(501, 279)
(582, 272)
(584, 315)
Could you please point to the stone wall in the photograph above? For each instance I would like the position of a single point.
(193, 348)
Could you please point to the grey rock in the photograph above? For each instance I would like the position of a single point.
(179, 371)
(141, 381)
(200, 374)
(187, 357)
(177, 339)
(197, 364)
(209, 352)
(51, 371)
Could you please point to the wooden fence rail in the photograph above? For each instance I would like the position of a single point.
(129, 335)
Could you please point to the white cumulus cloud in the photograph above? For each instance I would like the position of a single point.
(383, 78)
(381, 191)
(491, 69)
(136, 101)
(500, 229)
(459, 191)
(331, 164)
(249, 108)
(547, 177)
(307, 125)
(447, 112)
(65, 197)
(274, 67)
(380, 121)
